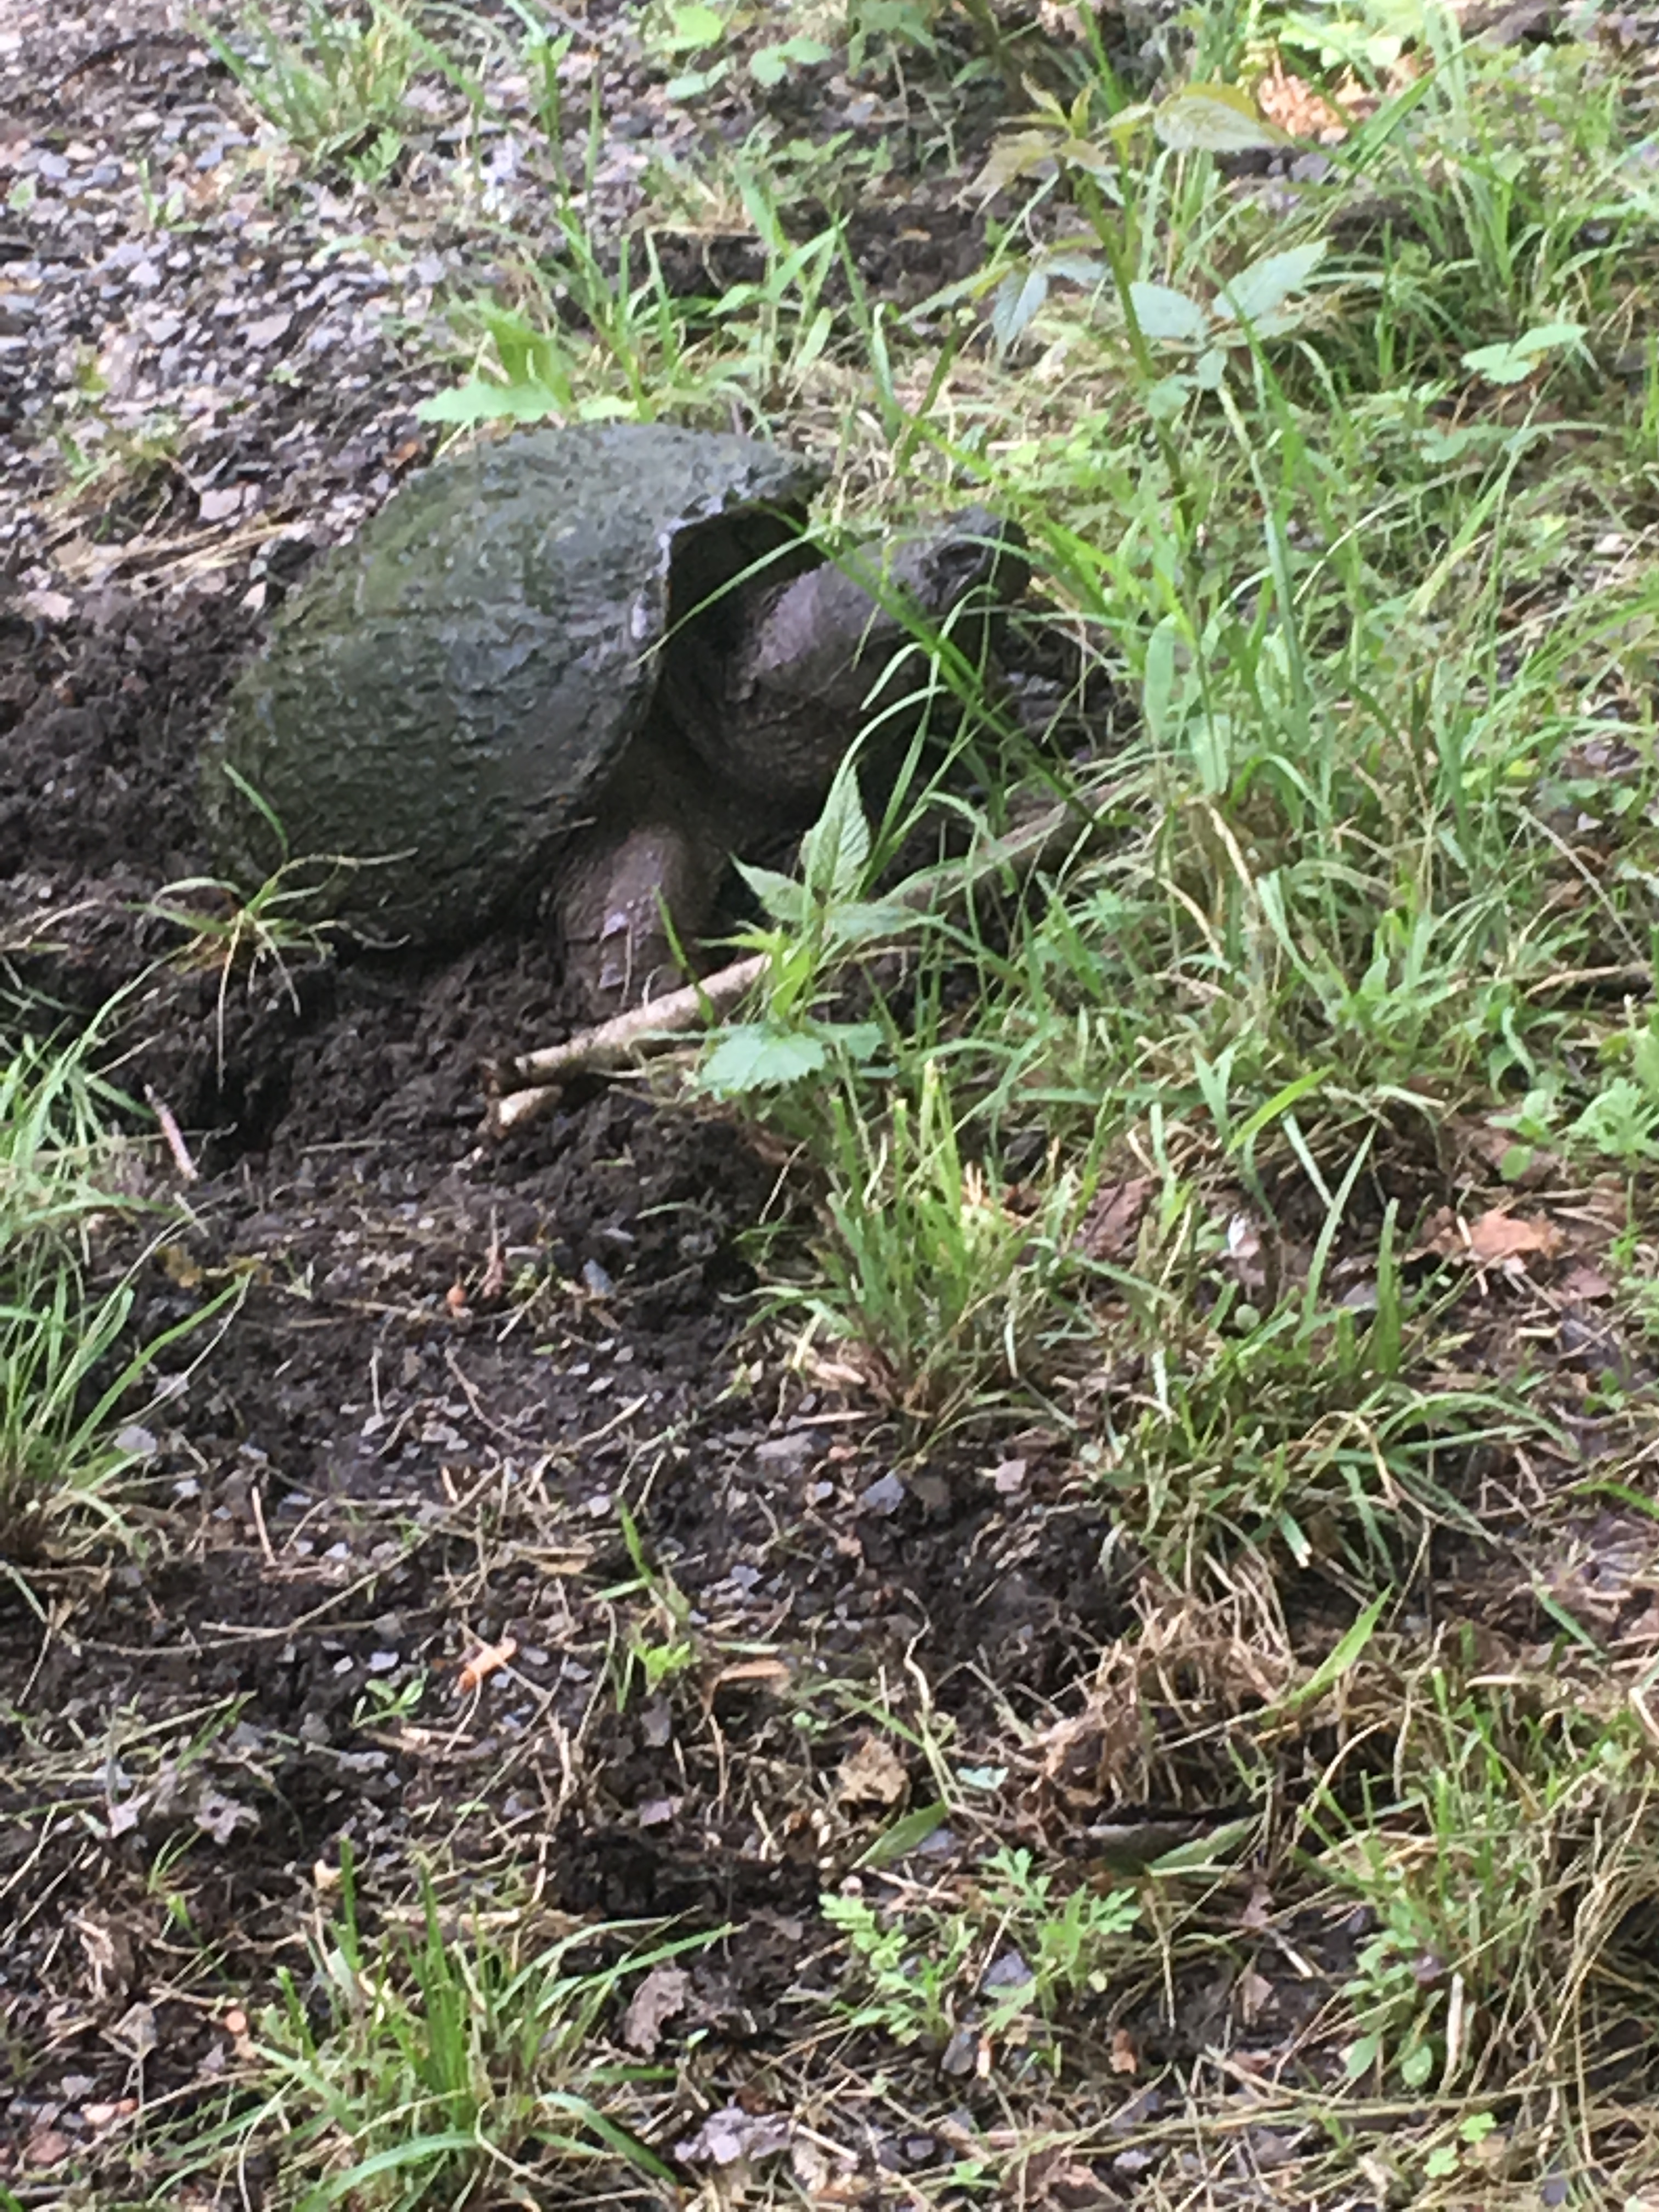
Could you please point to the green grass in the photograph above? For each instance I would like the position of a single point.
(1350, 497)
(75, 1382)
(417, 2064)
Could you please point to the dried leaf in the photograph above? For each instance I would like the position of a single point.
(872, 1774)
(1258, 1912)
(1256, 1993)
(1110, 1226)
(479, 1665)
(1292, 103)
(221, 1816)
(135, 2031)
(103, 2115)
(768, 1673)
(664, 1991)
(732, 2134)
(1500, 1236)
(1124, 2058)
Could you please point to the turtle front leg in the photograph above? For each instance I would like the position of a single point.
(645, 875)
(621, 893)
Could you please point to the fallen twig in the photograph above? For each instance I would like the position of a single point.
(173, 1136)
(527, 1086)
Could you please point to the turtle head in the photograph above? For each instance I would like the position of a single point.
(775, 695)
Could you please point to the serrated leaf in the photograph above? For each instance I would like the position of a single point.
(759, 1056)
(861, 921)
(784, 899)
(1169, 315)
(835, 850)
(1214, 118)
(1263, 288)
(859, 1042)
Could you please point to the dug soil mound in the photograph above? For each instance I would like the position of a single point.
(451, 1366)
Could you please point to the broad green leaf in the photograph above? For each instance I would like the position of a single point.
(1417, 2065)
(818, 336)
(1210, 370)
(1515, 361)
(1361, 2055)
(757, 1056)
(770, 66)
(479, 401)
(1212, 749)
(696, 82)
(1168, 396)
(1215, 119)
(784, 899)
(1339, 1661)
(694, 26)
(1263, 288)
(859, 1042)
(906, 1835)
(861, 921)
(1075, 268)
(1164, 312)
(835, 850)
(1201, 1853)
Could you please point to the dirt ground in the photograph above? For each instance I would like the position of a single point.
(451, 1364)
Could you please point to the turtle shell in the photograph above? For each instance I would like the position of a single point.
(445, 696)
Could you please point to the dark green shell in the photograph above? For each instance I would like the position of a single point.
(446, 695)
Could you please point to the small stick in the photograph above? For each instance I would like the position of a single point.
(188, 1170)
(111, 49)
(657, 1026)
(526, 1087)
(533, 1082)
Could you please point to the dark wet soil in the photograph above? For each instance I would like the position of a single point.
(449, 1366)
(445, 1369)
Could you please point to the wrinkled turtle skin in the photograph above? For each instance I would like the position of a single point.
(588, 660)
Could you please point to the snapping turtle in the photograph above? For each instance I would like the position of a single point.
(592, 661)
